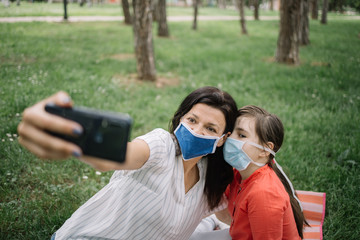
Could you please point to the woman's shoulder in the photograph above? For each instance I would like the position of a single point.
(157, 132)
(157, 137)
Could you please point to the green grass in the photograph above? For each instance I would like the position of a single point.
(318, 102)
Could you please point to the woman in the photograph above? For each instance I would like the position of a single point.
(166, 185)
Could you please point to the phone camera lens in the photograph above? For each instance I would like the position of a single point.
(98, 138)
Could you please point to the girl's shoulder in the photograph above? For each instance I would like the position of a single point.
(269, 185)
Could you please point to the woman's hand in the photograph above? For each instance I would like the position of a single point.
(35, 122)
(33, 136)
(224, 216)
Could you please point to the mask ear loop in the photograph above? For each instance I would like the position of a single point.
(287, 179)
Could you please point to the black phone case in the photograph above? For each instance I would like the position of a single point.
(105, 135)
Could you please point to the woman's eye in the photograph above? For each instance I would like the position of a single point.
(191, 120)
(212, 130)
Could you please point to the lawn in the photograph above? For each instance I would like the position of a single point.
(318, 102)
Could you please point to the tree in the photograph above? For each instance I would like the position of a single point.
(195, 3)
(155, 10)
(304, 23)
(314, 9)
(65, 10)
(221, 4)
(337, 5)
(144, 50)
(256, 9)
(242, 16)
(126, 11)
(324, 12)
(271, 5)
(288, 43)
(163, 30)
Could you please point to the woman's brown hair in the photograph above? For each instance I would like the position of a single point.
(269, 128)
(218, 173)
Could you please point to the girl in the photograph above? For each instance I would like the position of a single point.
(169, 181)
(262, 203)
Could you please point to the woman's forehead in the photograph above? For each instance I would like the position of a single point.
(208, 113)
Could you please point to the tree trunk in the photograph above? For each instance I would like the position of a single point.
(196, 3)
(155, 10)
(242, 17)
(65, 10)
(272, 5)
(324, 12)
(143, 40)
(256, 9)
(314, 9)
(304, 23)
(288, 42)
(163, 30)
(222, 4)
(126, 11)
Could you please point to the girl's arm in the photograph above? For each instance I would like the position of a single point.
(33, 136)
(224, 216)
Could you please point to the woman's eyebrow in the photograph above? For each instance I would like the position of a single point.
(209, 123)
(194, 115)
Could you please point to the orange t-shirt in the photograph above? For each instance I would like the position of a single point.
(260, 207)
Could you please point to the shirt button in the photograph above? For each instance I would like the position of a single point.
(234, 203)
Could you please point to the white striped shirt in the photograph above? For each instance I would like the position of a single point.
(147, 203)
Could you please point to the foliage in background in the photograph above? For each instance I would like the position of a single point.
(342, 5)
(318, 102)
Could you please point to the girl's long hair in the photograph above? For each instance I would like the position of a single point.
(269, 128)
(219, 173)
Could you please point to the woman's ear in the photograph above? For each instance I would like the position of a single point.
(223, 139)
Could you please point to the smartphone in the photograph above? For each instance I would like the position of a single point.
(105, 134)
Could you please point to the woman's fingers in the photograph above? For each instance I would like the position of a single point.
(37, 116)
(60, 98)
(44, 145)
(36, 121)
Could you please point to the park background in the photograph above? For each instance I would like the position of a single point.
(318, 100)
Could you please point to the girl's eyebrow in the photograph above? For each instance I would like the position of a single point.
(239, 129)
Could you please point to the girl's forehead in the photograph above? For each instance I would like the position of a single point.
(245, 122)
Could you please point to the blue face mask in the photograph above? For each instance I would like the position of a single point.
(194, 145)
(236, 156)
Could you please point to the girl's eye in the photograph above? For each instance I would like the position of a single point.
(242, 135)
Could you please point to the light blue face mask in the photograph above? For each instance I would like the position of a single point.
(236, 156)
(194, 145)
